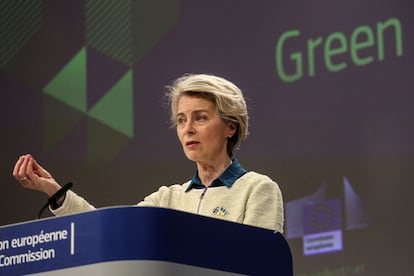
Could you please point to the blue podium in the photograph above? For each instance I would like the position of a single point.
(141, 241)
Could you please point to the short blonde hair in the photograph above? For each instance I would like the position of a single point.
(225, 95)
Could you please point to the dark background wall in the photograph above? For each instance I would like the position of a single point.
(329, 88)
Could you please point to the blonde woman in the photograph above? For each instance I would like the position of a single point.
(211, 119)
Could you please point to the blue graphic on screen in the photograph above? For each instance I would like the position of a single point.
(322, 231)
(318, 219)
(322, 216)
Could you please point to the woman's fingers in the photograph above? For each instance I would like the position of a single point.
(17, 166)
(38, 170)
(19, 171)
(33, 176)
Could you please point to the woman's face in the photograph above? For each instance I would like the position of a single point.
(202, 132)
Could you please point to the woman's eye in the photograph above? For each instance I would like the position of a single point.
(201, 118)
(180, 121)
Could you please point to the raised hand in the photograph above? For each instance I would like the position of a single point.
(33, 176)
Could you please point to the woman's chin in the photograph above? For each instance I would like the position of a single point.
(192, 156)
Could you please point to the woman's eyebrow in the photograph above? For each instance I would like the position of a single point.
(192, 112)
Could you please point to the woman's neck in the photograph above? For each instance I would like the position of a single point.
(207, 172)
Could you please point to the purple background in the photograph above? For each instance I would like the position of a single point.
(355, 123)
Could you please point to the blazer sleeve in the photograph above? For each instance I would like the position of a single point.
(264, 207)
(73, 203)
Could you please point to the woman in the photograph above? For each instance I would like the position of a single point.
(211, 119)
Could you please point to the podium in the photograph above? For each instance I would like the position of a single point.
(141, 241)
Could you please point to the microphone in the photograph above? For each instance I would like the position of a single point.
(52, 200)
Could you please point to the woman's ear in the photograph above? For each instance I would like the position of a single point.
(232, 128)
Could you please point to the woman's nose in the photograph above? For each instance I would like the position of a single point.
(189, 128)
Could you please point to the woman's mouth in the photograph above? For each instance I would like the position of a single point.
(191, 144)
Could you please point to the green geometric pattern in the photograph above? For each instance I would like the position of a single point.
(19, 21)
(69, 85)
(115, 109)
(108, 28)
(58, 120)
(124, 29)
